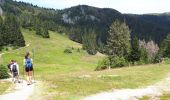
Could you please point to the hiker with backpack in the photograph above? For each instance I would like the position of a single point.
(28, 63)
(9, 66)
(15, 71)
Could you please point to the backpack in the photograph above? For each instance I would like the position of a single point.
(9, 65)
(14, 68)
(28, 63)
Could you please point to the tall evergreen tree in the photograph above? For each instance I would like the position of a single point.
(12, 34)
(165, 48)
(41, 28)
(135, 53)
(89, 42)
(45, 33)
(144, 55)
(118, 42)
(38, 26)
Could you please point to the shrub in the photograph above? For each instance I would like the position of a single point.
(15, 47)
(3, 72)
(78, 50)
(1, 48)
(91, 51)
(158, 58)
(115, 62)
(167, 60)
(67, 51)
(103, 64)
(118, 62)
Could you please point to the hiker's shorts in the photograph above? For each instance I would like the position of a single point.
(27, 69)
(15, 74)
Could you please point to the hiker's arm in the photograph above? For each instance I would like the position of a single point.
(32, 61)
(11, 67)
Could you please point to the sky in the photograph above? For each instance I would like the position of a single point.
(123, 6)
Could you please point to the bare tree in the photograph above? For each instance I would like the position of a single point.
(151, 47)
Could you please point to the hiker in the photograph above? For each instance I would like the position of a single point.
(9, 66)
(28, 63)
(15, 71)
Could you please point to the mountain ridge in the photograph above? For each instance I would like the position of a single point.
(77, 20)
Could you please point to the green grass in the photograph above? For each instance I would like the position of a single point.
(144, 98)
(4, 86)
(133, 77)
(165, 96)
(62, 74)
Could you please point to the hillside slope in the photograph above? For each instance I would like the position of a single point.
(50, 53)
(72, 76)
(76, 20)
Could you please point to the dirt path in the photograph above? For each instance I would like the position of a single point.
(20, 91)
(153, 91)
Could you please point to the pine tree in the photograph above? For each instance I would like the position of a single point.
(45, 33)
(11, 31)
(135, 53)
(144, 55)
(38, 26)
(41, 28)
(165, 48)
(89, 42)
(118, 42)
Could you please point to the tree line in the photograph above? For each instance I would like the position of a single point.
(123, 50)
(119, 43)
(10, 33)
(91, 20)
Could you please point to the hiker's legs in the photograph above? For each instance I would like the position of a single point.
(30, 76)
(13, 76)
(17, 78)
(27, 74)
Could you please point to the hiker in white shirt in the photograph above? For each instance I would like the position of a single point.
(15, 71)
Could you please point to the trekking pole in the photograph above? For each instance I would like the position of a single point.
(32, 65)
(23, 74)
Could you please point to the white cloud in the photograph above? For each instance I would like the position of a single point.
(124, 6)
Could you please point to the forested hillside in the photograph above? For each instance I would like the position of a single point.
(82, 20)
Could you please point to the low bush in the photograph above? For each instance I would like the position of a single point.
(68, 51)
(115, 62)
(103, 64)
(118, 62)
(3, 72)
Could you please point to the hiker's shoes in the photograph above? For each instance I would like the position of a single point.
(19, 81)
(28, 84)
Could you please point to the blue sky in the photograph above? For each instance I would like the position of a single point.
(124, 6)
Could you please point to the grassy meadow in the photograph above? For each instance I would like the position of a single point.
(72, 76)
(4, 86)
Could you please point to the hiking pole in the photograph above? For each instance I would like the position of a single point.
(32, 65)
(23, 74)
